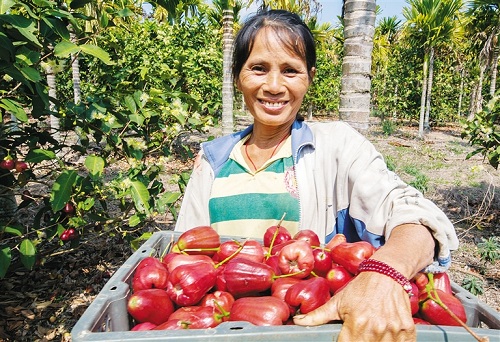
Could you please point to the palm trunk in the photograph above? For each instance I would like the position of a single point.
(54, 120)
(227, 83)
(422, 98)
(494, 71)
(359, 29)
(430, 78)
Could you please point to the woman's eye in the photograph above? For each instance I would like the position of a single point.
(290, 71)
(258, 68)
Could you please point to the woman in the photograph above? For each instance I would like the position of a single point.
(320, 176)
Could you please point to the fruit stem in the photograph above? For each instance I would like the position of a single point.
(435, 297)
(232, 255)
(275, 235)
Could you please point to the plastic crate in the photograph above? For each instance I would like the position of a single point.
(106, 319)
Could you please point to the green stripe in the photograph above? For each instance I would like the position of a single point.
(253, 206)
(230, 168)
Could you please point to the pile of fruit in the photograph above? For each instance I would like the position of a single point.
(201, 281)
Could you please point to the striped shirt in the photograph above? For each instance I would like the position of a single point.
(246, 203)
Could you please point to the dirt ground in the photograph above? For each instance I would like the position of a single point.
(44, 304)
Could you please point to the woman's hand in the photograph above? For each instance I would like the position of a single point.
(373, 307)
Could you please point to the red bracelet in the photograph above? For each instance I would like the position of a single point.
(371, 265)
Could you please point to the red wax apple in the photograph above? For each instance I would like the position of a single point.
(420, 321)
(21, 166)
(173, 260)
(273, 261)
(8, 164)
(442, 282)
(277, 248)
(172, 324)
(322, 261)
(414, 299)
(337, 277)
(246, 277)
(309, 294)
(432, 312)
(220, 301)
(336, 240)
(297, 259)
(280, 287)
(260, 311)
(351, 254)
(197, 317)
(308, 236)
(250, 249)
(421, 280)
(150, 305)
(275, 235)
(143, 326)
(150, 277)
(148, 261)
(198, 240)
(187, 284)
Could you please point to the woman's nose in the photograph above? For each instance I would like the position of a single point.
(274, 82)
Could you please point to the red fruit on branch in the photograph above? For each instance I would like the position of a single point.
(308, 295)
(260, 311)
(21, 166)
(308, 236)
(151, 305)
(337, 277)
(351, 254)
(69, 234)
(68, 208)
(187, 284)
(198, 240)
(8, 164)
(296, 258)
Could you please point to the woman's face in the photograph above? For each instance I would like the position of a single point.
(273, 81)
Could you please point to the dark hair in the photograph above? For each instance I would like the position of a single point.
(287, 26)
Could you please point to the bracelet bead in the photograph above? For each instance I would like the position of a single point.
(372, 265)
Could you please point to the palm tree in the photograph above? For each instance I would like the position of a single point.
(429, 24)
(359, 30)
(227, 82)
(485, 24)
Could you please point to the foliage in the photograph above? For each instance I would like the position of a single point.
(388, 127)
(130, 115)
(420, 182)
(489, 249)
(483, 132)
(473, 284)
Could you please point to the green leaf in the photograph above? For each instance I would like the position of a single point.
(31, 74)
(38, 155)
(134, 220)
(28, 252)
(25, 26)
(125, 13)
(5, 259)
(137, 243)
(5, 5)
(11, 230)
(95, 165)
(97, 52)
(130, 104)
(79, 3)
(15, 108)
(61, 190)
(64, 49)
(7, 50)
(166, 200)
(140, 195)
(57, 26)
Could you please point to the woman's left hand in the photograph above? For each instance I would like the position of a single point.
(373, 307)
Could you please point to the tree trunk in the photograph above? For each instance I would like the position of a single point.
(430, 78)
(359, 29)
(494, 71)
(422, 97)
(227, 83)
(461, 94)
(54, 120)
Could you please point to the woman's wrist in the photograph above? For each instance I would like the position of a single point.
(373, 265)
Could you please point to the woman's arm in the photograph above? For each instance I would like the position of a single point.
(374, 307)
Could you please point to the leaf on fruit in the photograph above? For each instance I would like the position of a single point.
(28, 252)
(140, 195)
(38, 155)
(5, 259)
(61, 190)
(95, 165)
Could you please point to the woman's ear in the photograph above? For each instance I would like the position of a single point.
(312, 73)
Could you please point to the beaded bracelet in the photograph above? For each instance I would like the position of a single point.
(372, 265)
